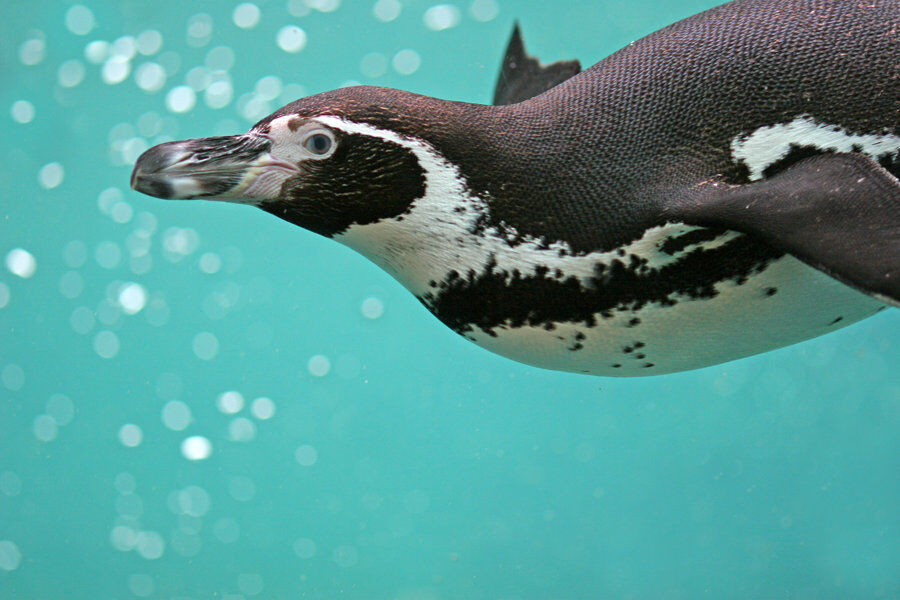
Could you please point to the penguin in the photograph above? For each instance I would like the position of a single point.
(725, 186)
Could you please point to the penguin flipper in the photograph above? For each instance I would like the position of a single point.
(523, 77)
(839, 213)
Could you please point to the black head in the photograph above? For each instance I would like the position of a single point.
(325, 162)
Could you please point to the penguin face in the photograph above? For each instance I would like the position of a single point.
(304, 163)
(341, 177)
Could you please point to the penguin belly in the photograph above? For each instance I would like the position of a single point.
(786, 303)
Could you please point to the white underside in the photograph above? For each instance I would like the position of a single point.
(438, 236)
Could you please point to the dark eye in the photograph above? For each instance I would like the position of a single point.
(318, 143)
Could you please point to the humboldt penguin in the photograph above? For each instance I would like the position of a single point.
(725, 186)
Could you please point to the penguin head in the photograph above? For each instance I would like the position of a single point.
(355, 155)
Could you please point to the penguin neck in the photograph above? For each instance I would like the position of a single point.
(466, 152)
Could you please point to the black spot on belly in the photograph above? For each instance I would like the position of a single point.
(836, 321)
(771, 291)
(617, 366)
(648, 365)
(496, 297)
(678, 243)
(634, 322)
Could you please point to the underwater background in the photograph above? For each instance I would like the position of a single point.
(201, 401)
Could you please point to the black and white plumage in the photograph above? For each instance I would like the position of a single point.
(722, 187)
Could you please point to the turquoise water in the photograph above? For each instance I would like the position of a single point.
(201, 401)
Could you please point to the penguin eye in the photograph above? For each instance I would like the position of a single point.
(319, 142)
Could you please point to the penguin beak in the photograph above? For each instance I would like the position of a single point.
(216, 168)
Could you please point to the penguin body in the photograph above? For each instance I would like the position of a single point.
(725, 186)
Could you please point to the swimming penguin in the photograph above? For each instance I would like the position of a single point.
(725, 186)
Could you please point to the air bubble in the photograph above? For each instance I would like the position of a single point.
(97, 51)
(115, 70)
(298, 8)
(199, 30)
(246, 15)
(13, 377)
(130, 435)
(51, 175)
(22, 111)
(205, 345)
(70, 73)
(324, 6)
(106, 344)
(21, 262)
(10, 556)
(305, 548)
(387, 10)
(181, 99)
(32, 51)
(149, 42)
(150, 77)
(230, 402)
(176, 415)
(484, 10)
(80, 20)
(45, 428)
(132, 298)
(268, 88)
(150, 545)
(124, 47)
(210, 263)
(196, 447)
(407, 62)
(263, 408)
(442, 16)
(220, 57)
(372, 308)
(306, 455)
(319, 365)
(291, 38)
